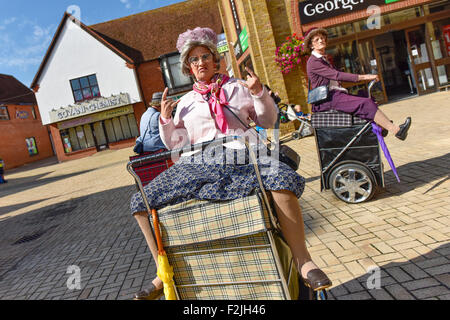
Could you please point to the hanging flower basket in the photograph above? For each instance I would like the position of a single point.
(290, 53)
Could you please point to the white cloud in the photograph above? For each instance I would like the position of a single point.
(9, 20)
(126, 3)
(24, 47)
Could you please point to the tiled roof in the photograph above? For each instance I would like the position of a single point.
(12, 91)
(148, 35)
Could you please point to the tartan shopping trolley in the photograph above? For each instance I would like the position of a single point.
(349, 155)
(231, 250)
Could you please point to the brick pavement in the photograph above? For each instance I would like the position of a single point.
(56, 215)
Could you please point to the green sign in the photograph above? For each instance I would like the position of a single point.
(243, 37)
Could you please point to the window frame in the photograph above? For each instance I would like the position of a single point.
(82, 88)
(3, 107)
(164, 60)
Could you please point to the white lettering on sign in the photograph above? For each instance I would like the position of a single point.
(319, 8)
(88, 107)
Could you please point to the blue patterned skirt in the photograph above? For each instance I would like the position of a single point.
(222, 175)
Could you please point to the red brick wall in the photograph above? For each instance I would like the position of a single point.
(13, 132)
(151, 79)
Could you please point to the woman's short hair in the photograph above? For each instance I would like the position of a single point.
(311, 33)
(191, 44)
(188, 40)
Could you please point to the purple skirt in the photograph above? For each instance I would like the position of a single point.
(364, 108)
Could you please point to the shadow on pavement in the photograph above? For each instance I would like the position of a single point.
(7, 209)
(416, 174)
(21, 184)
(426, 276)
(96, 233)
(34, 165)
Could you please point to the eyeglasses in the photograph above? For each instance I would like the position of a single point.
(316, 39)
(196, 60)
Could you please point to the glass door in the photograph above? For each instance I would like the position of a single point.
(420, 59)
(100, 137)
(370, 64)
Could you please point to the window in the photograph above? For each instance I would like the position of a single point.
(173, 78)
(78, 138)
(31, 146)
(33, 112)
(85, 88)
(4, 115)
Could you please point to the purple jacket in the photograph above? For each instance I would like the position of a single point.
(320, 72)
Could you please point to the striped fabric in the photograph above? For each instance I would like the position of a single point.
(236, 269)
(334, 118)
(150, 170)
(223, 250)
(197, 221)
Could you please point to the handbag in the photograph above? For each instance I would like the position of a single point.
(139, 147)
(286, 154)
(317, 95)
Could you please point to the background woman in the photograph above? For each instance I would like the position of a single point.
(321, 72)
(201, 116)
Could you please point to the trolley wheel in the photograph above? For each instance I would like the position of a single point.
(296, 135)
(352, 183)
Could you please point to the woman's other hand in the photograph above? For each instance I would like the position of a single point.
(167, 105)
(253, 84)
(369, 77)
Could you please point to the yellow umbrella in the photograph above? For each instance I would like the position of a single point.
(165, 270)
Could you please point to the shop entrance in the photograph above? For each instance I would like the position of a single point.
(420, 59)
(395, 66)
(100, 136)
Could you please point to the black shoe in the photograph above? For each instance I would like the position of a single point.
(317, 280)
(403, 132)
(149, 294)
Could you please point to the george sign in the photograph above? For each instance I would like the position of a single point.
(96, 117)
(89, 107)
(243, 38)
(315, 10)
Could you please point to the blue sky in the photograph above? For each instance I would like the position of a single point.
(27, 27)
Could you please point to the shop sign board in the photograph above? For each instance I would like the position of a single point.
(117, 112)
(313, 10)
(222, 44)
(238, 49)
(243, 38)
(89, 107)
(22, 114)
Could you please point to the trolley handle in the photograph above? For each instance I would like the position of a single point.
(370, 86)
(176, 152)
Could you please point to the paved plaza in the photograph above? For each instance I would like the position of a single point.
(58, 218)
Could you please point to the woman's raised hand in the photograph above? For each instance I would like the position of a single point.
(167, 105)
(253, 84)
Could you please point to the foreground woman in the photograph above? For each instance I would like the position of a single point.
(320, 73)
(201, 116)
